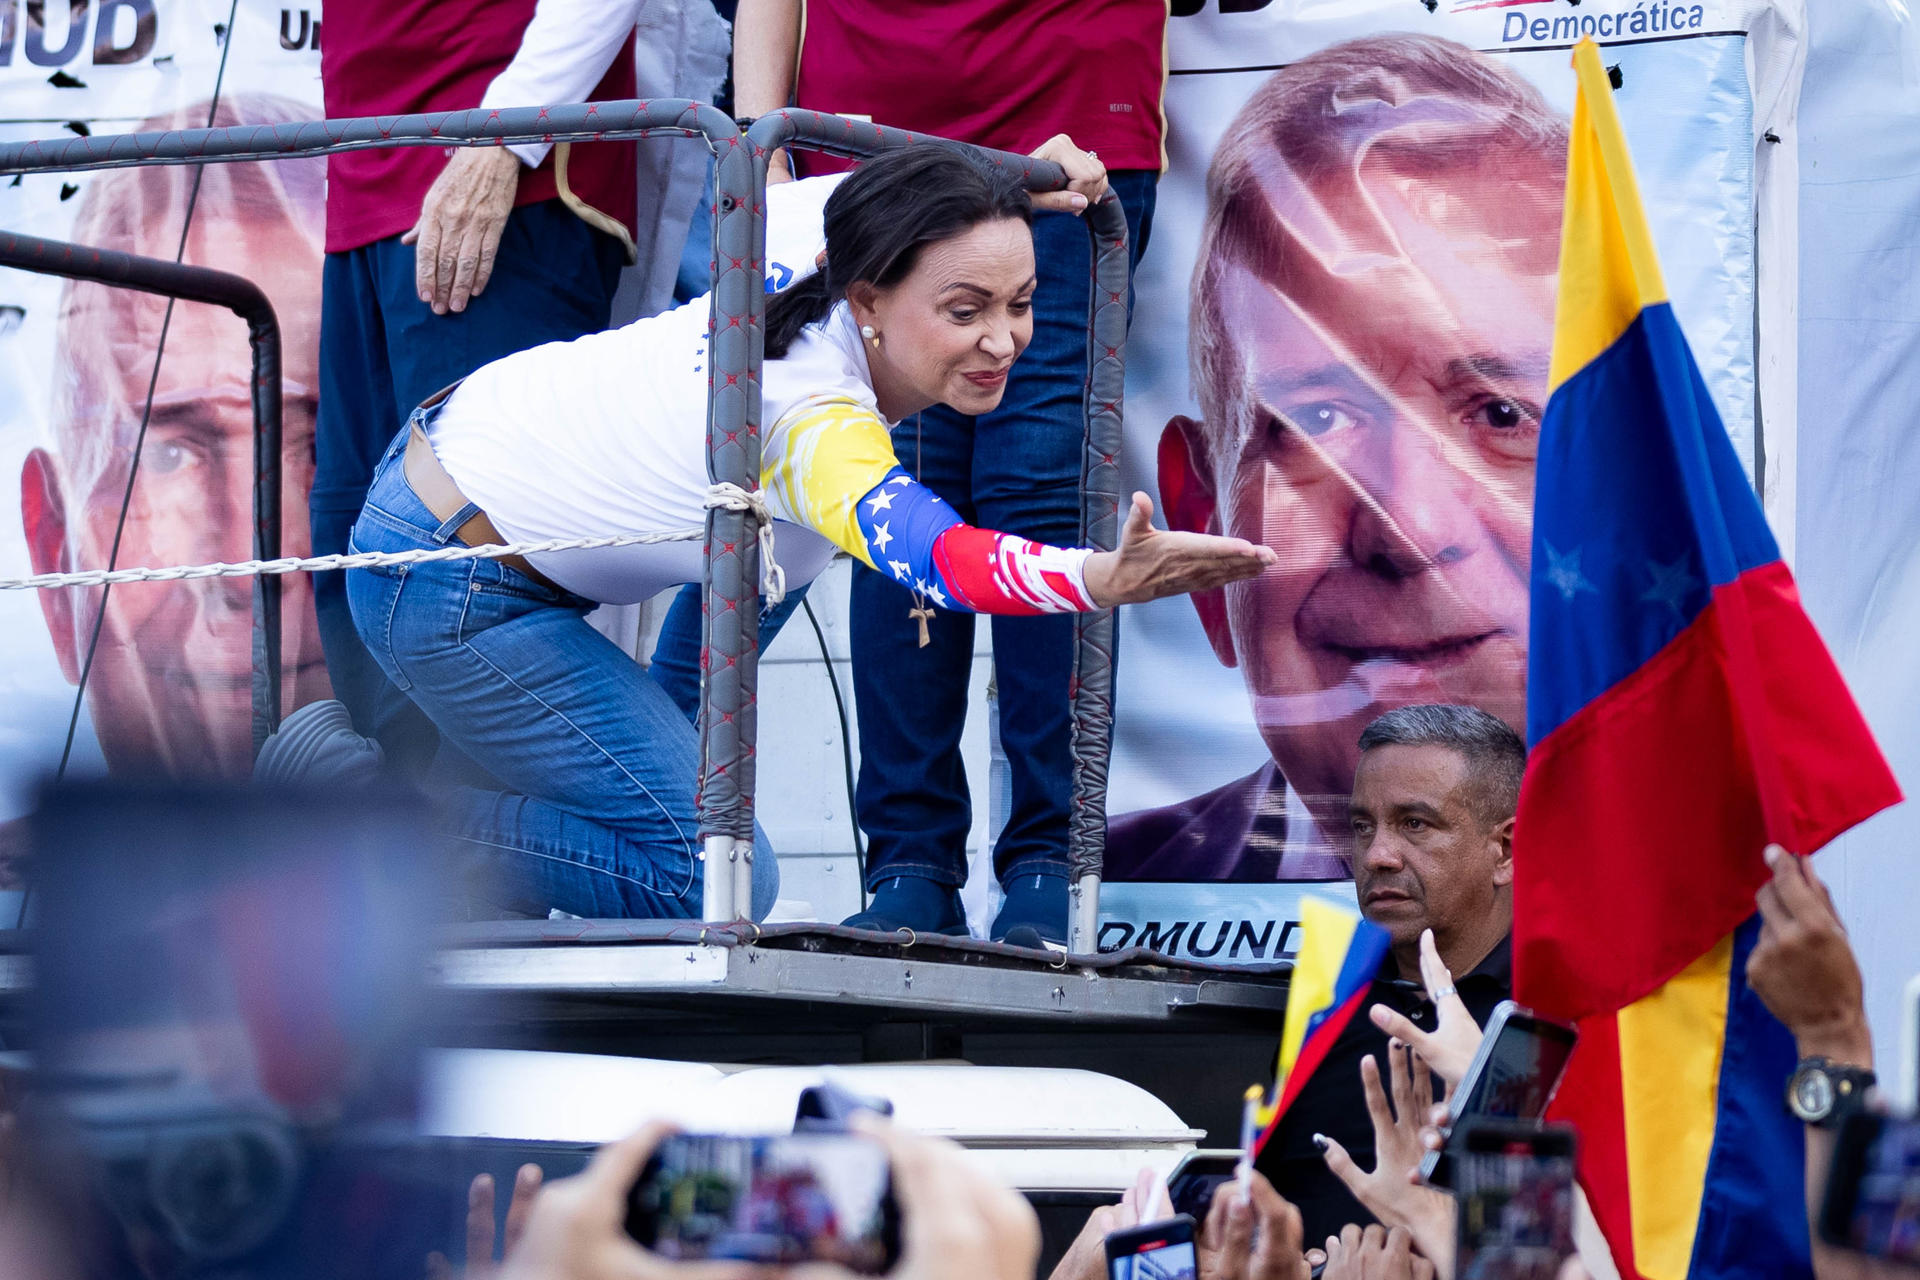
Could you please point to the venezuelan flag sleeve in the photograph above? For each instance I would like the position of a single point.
(836, 473)
(1681, 713)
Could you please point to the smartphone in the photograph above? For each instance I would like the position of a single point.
(1154, 1251)
(804, 1197)
(1512, 1077)
(1872, 1202)
(1513, 1182)
(1192, 1183)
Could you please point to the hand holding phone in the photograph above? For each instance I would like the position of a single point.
(1513, 1077)
(806, 1197)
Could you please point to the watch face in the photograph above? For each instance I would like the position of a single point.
(1812, 1094)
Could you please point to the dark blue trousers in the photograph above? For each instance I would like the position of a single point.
(383, 351)
(1016, 469)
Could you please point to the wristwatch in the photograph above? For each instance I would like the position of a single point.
(1824, 1093)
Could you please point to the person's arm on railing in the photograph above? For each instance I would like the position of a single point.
(766, 62)
(566, 49)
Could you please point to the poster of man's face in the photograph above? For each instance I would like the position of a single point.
(1369, 323)
(167, 665)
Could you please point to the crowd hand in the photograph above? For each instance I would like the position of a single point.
(1450, 1047)
(1392, 1191)
(955, 1222)
(1374, 1254)
(577, 1227)
(1152, 563)
(480, 1233)
(1802, 967)
(1086, 1257)
(1086, 177)
(460, 223)
(1251, 1237)
(779, 167)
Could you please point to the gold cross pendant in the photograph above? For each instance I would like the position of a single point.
(923, 615)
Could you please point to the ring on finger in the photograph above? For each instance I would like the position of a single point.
(1446, 991)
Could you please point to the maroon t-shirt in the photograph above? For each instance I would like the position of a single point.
(999, 73)
(395, 57)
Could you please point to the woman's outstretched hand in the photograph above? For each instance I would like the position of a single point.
(1152, 563)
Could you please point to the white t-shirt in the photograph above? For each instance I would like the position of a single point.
(606, 434)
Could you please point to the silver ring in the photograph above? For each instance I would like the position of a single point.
(1093, 155)
(1444, 992)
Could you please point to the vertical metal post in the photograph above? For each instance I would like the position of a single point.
(731, 622)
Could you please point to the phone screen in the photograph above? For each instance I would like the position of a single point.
(1515, 1191)
(1191, 1185)
(1155, 1251)
(1520, 1072)
(1513, 1077)
(777, 1200)
(1880, 1210)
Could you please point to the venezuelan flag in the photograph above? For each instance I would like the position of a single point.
(1681, 713)
(1333, 969)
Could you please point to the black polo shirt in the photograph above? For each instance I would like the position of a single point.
(1332, 1101)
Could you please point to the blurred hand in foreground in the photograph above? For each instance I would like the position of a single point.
(1251, 1237)
(1374, 1254)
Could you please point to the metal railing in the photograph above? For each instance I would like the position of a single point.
(729, 684)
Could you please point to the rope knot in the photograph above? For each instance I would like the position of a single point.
(724, 495)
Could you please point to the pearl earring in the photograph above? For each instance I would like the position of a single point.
(866, 331)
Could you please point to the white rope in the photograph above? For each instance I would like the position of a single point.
(729, 496)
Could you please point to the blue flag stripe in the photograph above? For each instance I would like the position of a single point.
(1750, 1208)
(1641, 506)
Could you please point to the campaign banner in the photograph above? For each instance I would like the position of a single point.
(88, 371)
(1340, 349)
(166, 664)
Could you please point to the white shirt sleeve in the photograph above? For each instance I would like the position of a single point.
(566, 49)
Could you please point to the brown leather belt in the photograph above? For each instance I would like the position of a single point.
(436, 489)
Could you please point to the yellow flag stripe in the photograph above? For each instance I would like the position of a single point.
(1671, 1044)
(1608, 268)
(1326, 931)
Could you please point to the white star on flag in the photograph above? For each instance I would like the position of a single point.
(1563, 572)
(881, 501)
(933, 594)
(901, 480)
(882, 535)
(1672, 583)
(900, 568)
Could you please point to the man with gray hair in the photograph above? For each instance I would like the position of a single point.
(1431, 818)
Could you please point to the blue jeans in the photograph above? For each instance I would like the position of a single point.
(383, 351)
(1016, 469)
(600, 766)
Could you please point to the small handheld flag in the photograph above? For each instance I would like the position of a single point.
(1333, 969)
